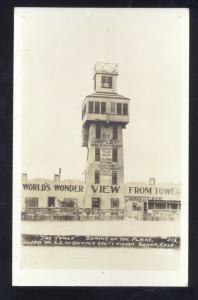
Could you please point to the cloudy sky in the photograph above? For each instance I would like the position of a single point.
(59, 50)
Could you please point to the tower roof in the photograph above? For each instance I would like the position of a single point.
(106, 68)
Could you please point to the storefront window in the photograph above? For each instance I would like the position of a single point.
(31, 202)
(114, 202)
(173, 206)
(51, 201)
(151, 205)
(136, 205)
(68, 203)
(160, 205)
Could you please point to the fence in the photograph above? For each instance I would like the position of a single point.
(166, 215)
(71, 214)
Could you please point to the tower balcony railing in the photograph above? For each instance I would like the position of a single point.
(108, 110)
(105, 118)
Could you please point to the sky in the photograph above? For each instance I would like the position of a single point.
(59, 50)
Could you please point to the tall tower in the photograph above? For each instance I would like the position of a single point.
(104, 115)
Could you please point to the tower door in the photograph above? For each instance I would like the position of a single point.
(51, 201)
(95, 202)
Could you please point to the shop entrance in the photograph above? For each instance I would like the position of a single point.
(145, 211)
(51, 202)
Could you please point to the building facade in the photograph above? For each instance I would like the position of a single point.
(51, 199)
(105, 114)
(45, 199)
(152, 202)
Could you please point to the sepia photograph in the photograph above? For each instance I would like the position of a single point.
(100, 165)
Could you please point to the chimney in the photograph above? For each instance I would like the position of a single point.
(56, 178)
(152, 181)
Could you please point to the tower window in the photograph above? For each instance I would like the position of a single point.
(125, 109)
(103, 107)
(97, 154)
(106, 82)
(113, 111)
(119, 109)
(109, 81)
(115, 132)
(97, 107)
(103, 81)
(115, 154)
(114, 177)
(114, 202)
(98, 131)
(97, 177)
(90, 107)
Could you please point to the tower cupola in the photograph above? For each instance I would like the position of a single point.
(105, 104)
(105, 77)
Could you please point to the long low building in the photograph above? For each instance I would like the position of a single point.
(152, 201)
(64, 200)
